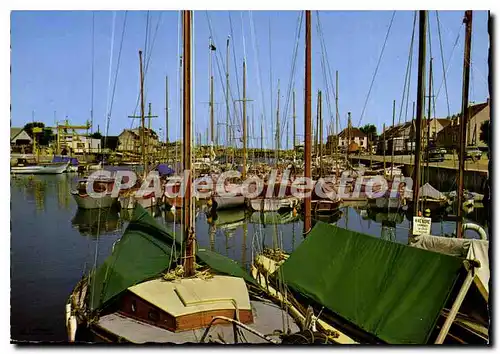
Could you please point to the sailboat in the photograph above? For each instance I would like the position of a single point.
(155, 288)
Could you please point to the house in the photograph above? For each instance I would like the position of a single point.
(130, 140)
(401, 136)
(19, 137)
(449, 137)
(435, 126)
(84, 144)
(355, 135)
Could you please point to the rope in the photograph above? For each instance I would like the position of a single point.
(407, 83)
(235, 65)
(286, 117)
(92, 89)
(256, 54)
(442, 62)
(376, 68)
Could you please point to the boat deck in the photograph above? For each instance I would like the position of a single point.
(267, 318)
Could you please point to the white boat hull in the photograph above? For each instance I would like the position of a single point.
(272, 204)
(40, 169)
(88, 202)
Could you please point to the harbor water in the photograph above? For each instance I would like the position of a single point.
(53, 243)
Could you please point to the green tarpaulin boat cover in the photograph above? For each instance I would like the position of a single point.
(390, 290)
(144, 252)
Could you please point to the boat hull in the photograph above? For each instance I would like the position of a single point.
(88, 202)
(272, 204)
(40, 169)
(221, 203)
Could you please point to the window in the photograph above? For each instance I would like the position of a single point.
(133, 307)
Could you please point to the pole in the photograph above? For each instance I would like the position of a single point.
(385, 145)
(337, 123)
(187, 210)
(143, 152)
(428, 132)
(317, 127)
(227, 91)
(307, 122)
(278, 126)
(294, 122)
(420, 106)
(166, 114)
(244, 172)
(392, 152)
(464, 118)
(320, 137)
(212, 139)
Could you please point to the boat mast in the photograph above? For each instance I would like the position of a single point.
(227, 92)
(464, 118)
(428, 132)
(320, 136)
(385, 145)
(142, 116)
(307, 122)
(420, 106)
(244, 172)
(294, 119)
(166, 114)
(337, 123)
(392, 152)
(211, 93)
(186, 110)
(278, 126)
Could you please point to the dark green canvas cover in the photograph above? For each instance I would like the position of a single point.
(223, 265)
(143, 252)
(393, 291)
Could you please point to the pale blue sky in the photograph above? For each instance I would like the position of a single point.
(51, 62)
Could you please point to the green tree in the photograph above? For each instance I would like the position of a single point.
(484, 134)
(370, 130)
(28, 128)
(96, 135)
(43, 138)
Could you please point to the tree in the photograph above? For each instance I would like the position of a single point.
(370, 130)
(28, 128)
(484, 134)
(96, 135)
(43, 138)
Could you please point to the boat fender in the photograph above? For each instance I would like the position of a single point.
(71, 323)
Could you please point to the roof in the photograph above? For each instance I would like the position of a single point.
(15, 132)
(397, 129)
(355, 133)
(444, 122)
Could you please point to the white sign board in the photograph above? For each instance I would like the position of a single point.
(421, 226)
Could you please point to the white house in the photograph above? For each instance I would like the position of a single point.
(18, 136)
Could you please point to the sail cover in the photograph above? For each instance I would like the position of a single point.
(390, 290)
(143, 252)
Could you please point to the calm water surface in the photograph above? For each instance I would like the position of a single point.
(53, 244)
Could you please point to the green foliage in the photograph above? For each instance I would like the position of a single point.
(96, 135)
(28, 128)
(370, 130)
(44, 138)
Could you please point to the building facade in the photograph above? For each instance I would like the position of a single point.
(449, 137)
(130, 140)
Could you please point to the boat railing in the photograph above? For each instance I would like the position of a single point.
(237, 324)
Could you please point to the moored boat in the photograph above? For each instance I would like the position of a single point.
(24, 167)
(104, 186)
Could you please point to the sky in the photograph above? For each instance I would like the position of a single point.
(53, 55)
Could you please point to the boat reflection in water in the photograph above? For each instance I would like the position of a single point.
(95, 222)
